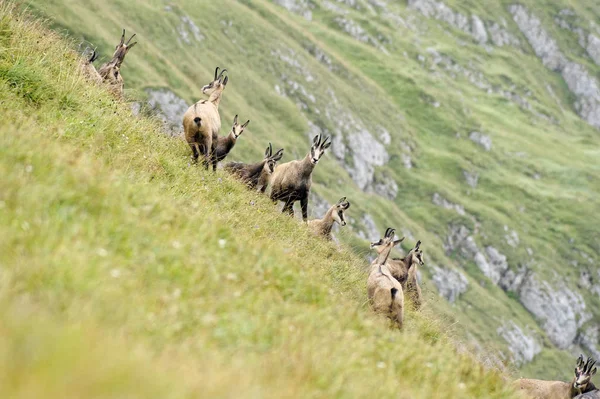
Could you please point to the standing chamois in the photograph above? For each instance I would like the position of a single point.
(541, 389)
(257, 175)
(291, 181)
(226, 143)
(384, 291)
(322, 227)
(110, 72)
(202, 122)
(405, 270)
(88, 69)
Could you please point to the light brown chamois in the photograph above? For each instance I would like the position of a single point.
(226, 143)
(541, 389)
(291, 181)
(322, 227)
(384, 291)
(405, 270)
(110, 72)
(202, 122)
(88, 69)
(256, 175)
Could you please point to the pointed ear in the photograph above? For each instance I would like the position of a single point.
(122, 38)
(326, 143)
(374, 244)
(398, 241)
(316, 139)
(246, 124)
(235, 120)
(417, 245)
(226, 80)
(593, 371)
(268, 151)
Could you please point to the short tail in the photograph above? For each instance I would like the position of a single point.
(394, 291)
(198, 121)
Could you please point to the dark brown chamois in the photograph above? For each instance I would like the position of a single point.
(256, 175)
(291, 181)
(226, 143)
(405, 270)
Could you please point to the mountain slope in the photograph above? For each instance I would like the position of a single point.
(468, 127)
(126, 272)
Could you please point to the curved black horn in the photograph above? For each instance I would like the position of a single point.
(93, 57)
(221, 74)
(216, 73)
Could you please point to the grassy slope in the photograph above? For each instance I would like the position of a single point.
(124, 272)
(551, 215)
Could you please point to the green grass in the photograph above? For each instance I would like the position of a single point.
(124, 272)
(554, 216)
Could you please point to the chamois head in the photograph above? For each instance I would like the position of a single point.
(123, 48)
(338, 212)
(270, 159)
(387, 242)
(318, 148)
(583, 373)
(415, 256)
(219, 82)
(238, 129)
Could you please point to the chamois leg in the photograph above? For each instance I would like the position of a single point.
(304, 205)
(195, 152)
(289, 206)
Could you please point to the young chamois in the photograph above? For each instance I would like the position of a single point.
(405, 270)
(322, 227)
(291, 181)
(110, 72)
(88, 69)
(541, 389)
(257, 175)
(202, 122)
(226, 143)
(384, 291)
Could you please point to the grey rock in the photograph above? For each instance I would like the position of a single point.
(593, 48)
(472, 178)
(318, 206)
(356, 31)
(543, 45)
(367, 153)
(370, 231)
(500, 36)
(169, 107)
(438, 200)
(511, 237)
(523, 347)
(300, 7)
(449, 283)
(481, 139)
(496, 264)
(588, 338)
(388, 188)
(187, 30)
(456, 238)
(512, 280)
(478, 30)
(561, 310)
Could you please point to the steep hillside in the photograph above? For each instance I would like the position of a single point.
(471, 127)
(124, 272)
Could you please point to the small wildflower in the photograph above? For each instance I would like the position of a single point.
(222, 243)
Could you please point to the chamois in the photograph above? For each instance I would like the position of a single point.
(256, 175)
(202, 122)
(291, 181)
(226, 143)
(541, 389)
(110, 72)
(88, 69)
(322, 227)
(405, 271)
(384, 291)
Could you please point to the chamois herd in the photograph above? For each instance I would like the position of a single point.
(390, 280)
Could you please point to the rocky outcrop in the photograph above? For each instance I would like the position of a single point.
(588, 338)
(370, 231)
(189, 31)
(523, 347)
(449, 283)
(169, 108)
(478, 30)
(357, 32)
(561, 310)
(472, 178)
(593, 48)
(438, 200)
(579, 81)
(300, 7)
(481, 139)
(500, 35)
